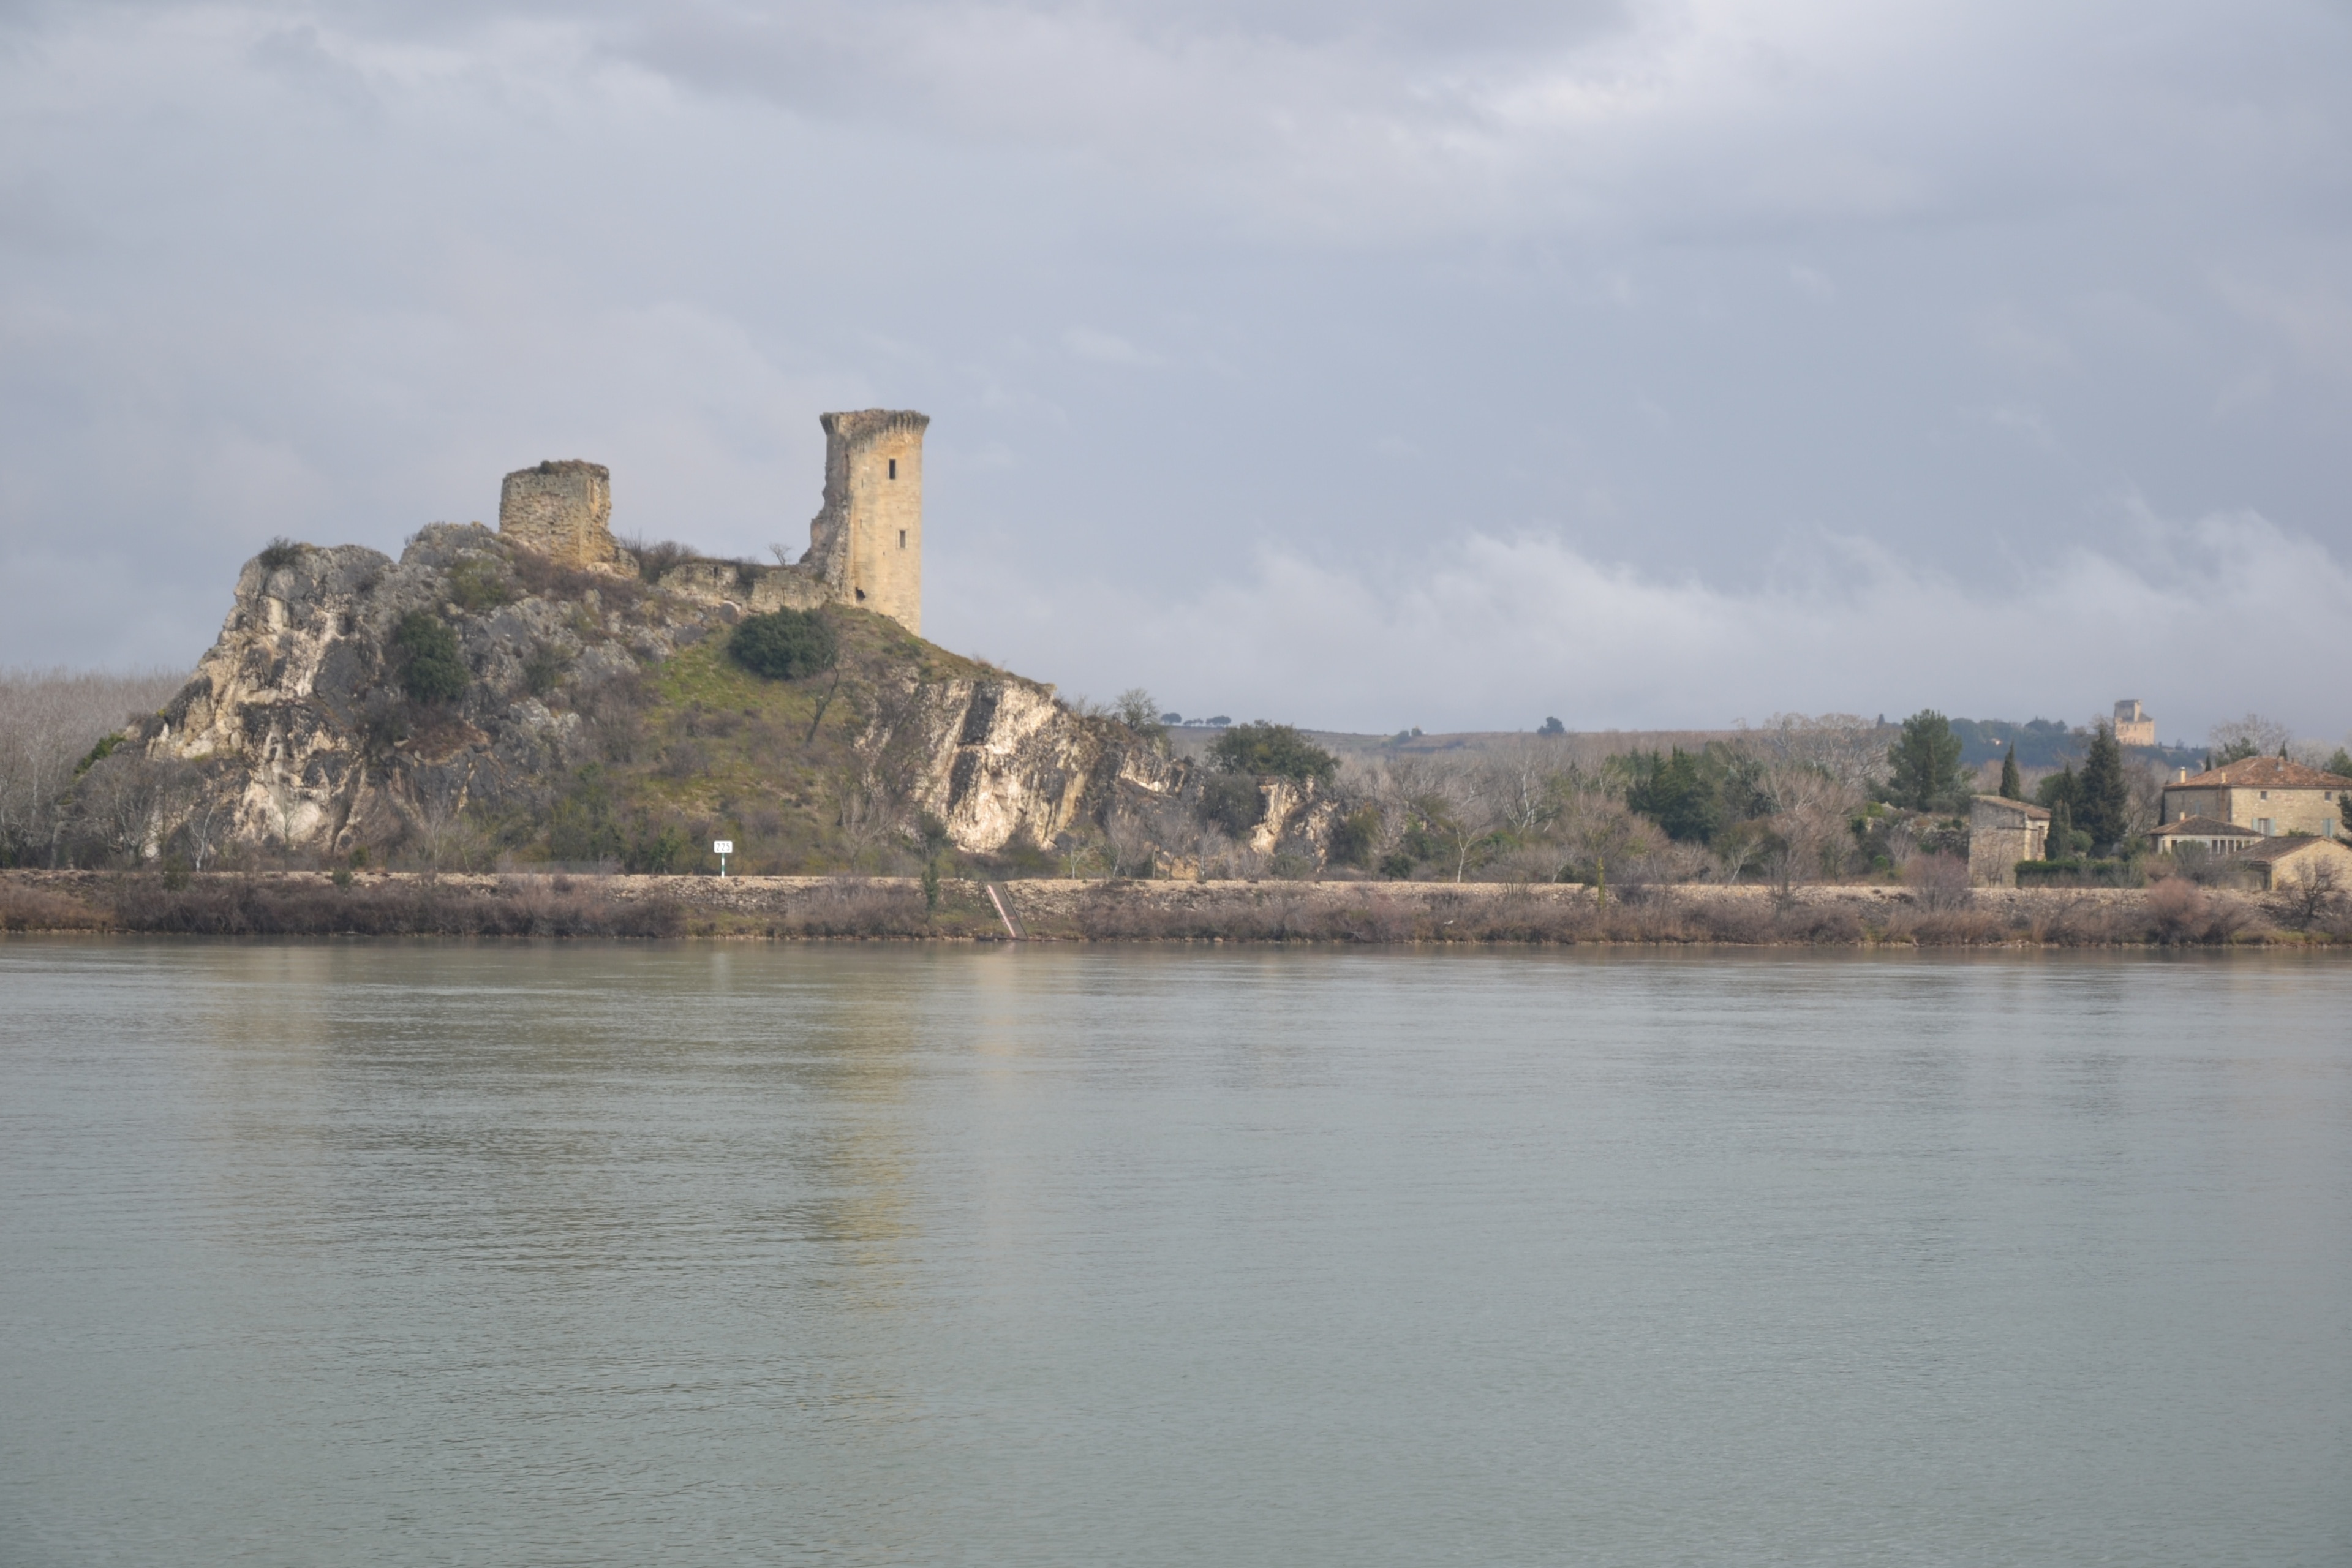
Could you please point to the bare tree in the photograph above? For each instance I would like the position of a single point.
(2320, 896)
(1127, 837)
(49, 720)
(1520, 781)
(1845, 748)
(2251, 736)
(442, 832)
(206, 823)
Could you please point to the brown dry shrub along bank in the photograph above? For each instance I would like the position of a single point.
(270, 906)
(855, 909)
(2173, 913)
(1506, 915)
(24, 907)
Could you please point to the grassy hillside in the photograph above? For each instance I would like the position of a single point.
(699, 748)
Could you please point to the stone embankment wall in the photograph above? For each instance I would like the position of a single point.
(1055, 909)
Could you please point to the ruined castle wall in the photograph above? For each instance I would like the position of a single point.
(561, 509)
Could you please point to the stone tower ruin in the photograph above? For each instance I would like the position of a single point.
(866, 543)
(564, 510)
(866, 540)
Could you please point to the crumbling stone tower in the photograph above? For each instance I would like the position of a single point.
(866, 541)
(564, 510)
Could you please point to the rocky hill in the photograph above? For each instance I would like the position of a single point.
(587, 716)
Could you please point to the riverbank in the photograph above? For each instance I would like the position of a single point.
(299, 903)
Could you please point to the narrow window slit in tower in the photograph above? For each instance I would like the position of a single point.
(894, 467)
(902, 539)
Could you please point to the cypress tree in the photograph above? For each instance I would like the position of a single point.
(2102, 798)
(2060, 844)
(2012, 787)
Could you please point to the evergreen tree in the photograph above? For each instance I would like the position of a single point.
(1671, 791)
(2340, 765)
(2056, 787)
(2012, 787)
(1925, 760)
(2061, 843)
(2102, 799)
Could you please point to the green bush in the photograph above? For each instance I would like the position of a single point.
(478, 584)
(544, 670)
(784, 644)
(654, 854)
(1272, 750)
(1354, 835)
(279, 553)
(432, 670)
(1231, 802)
(100, 753)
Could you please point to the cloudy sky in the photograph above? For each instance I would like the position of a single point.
(1450, 363)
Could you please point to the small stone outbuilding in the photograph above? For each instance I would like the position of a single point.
(2001, 832)
(2297, 861)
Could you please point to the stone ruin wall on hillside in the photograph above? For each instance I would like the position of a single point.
(866, 542)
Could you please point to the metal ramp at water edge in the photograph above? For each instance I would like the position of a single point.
(1001, 897)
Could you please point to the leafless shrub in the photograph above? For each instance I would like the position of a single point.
(852, 906)
(653, 558)
(25, 908)
(272, 906)
(49, 720)
(1939, 882)
(683, 760)
(2319, 899)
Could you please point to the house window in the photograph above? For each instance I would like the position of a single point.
(2262, 824)
(894, 467)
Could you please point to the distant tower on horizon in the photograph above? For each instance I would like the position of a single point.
(866, 540)
(2133, 727)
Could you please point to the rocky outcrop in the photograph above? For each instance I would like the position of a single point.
(297, 718)
(295, 730)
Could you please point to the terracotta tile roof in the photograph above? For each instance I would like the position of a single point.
(2037, 813)
(2280, 848)
(2205, 827)
(2263, 772)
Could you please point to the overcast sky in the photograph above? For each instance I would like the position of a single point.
(1361, 362)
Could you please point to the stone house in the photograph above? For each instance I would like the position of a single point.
(2001, 832)
(2297, 861)
(2271, 795)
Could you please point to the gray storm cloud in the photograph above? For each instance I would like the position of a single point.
(1369, 363)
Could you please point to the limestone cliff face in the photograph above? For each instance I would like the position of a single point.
(296, 719)
(294, 730)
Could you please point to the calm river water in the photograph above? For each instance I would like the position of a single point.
(696, 1254)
